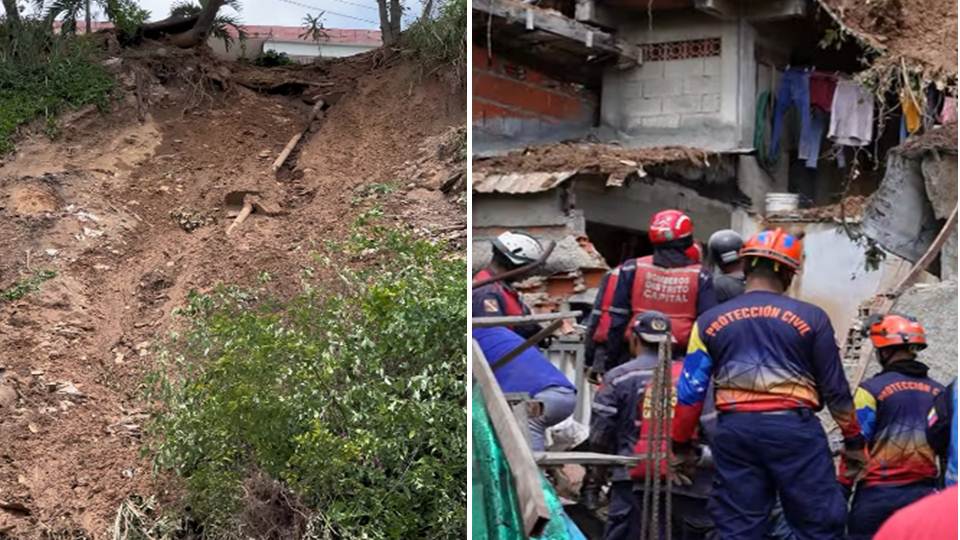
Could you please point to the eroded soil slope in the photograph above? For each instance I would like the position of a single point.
(130, 215)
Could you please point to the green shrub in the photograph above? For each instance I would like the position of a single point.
(42, 73)
(26, 286)
(441, 38)
(355, 401)
(272, 59)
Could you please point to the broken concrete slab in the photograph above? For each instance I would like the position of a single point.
(899, 216)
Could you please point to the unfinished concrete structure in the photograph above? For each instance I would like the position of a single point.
(662, 99)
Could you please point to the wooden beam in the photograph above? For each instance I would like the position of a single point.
(546, 459)
(526, 474)
(554, 22)
(530, 342)
(590, 12)
(884, 303)
(487, 322)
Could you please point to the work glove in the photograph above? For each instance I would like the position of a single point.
(594, 373)
(683, 464)
(854, 457)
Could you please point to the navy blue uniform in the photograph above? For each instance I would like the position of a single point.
(773, 361)
(892, 409)
(498, 299)
(614, 428)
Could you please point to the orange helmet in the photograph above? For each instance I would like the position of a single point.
(776, 245)
(669, 225)
(892, 330)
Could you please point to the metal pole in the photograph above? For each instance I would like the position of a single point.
(668, 403)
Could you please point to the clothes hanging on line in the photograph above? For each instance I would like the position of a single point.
(794, 91)
(911, 111)
(949, 113)
(822, 87)
(809, 150)
(851, 121)
(934, 102)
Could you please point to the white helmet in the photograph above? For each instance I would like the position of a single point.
(520, 248)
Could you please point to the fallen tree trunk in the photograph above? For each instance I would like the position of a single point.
(171, 25)
(198, 34)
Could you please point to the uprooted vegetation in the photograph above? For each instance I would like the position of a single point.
(352, 401)
(119, 220)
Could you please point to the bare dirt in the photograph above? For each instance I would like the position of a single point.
(589, 157)
(131, 216)
(919, 30)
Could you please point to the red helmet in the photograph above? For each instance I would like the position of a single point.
(892, 330)
(694, 253)
(669, 225)
(776, 245)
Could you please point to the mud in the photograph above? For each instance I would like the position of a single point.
(919, 30)
(104, 207)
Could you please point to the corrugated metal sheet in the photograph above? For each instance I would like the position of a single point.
(535, 182)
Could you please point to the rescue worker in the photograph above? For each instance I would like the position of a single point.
(616, 415)
(511, 250)
(724, 248)
(773, 361)
(532, 374)
(942, 431)
(671, 281)
(598, 326)
(892, 410)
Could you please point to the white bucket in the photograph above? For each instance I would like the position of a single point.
(779, 203)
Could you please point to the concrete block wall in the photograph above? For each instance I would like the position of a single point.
(688, 90)
(515, 102)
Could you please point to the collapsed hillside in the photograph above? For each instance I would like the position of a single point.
(107, 229)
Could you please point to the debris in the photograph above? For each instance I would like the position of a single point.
(190, 220)
(51, 252)
(265, 154)
(69, 389)
(8, 397)
(33, 428)
(14, 507)
(248, 201)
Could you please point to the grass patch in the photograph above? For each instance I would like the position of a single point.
(351, 404)
(26, 286)
(41, 74)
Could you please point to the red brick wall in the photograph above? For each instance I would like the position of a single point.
(502, 89)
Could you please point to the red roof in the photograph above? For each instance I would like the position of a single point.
(282, 33)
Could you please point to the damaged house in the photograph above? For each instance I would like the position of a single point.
(591, 115)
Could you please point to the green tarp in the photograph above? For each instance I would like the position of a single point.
(496, 514)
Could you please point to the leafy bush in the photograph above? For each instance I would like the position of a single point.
(272, 59)
(42, 73)
(355, 401)
(441, 38)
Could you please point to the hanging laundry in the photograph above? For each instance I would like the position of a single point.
(911, 111)
(794, 91)
(949, 113)
(822, 87)
(809, 150)
(851, 122)
(934, 97)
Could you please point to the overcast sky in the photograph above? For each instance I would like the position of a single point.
(288, 13)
